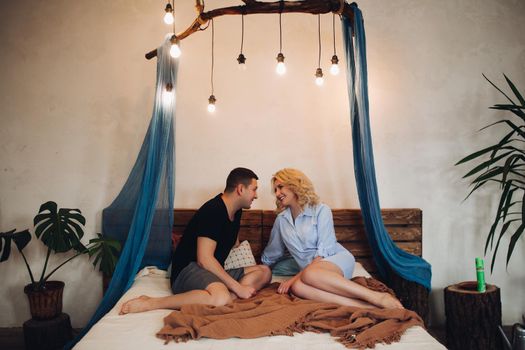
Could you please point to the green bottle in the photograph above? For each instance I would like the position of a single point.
(480, 275)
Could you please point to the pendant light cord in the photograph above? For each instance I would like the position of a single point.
(173, 14)
(280, 33)
(212, 56)
(319, 37)
(242, 31)
(333, 31)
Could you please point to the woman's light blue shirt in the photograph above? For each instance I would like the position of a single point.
(311, 235)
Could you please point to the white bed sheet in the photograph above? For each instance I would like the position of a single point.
(137, 331)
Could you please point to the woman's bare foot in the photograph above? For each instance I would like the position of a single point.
(388, 301)
(139, 304)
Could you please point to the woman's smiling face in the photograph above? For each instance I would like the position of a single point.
(284, 195)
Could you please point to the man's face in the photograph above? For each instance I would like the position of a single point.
(248, 194)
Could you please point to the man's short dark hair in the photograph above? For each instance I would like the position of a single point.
(239, 176)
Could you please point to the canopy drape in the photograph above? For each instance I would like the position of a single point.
(142, 213)
(387, 255)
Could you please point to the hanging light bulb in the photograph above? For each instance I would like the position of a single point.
(175, 51)
(241, 58)
(212, 99)
(242, 61)
(334, 68)
(319, 80)
(168, 17)
(281, 68)
(168, 94)
(211, 103)
(319, 72)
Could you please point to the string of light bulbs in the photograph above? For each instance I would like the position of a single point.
(280, 69)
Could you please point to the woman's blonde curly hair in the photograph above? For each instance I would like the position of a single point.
(299, 184)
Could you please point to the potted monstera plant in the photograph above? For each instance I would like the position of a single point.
(503, 164)
(61, 231)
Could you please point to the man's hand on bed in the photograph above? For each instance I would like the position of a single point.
(245, 292)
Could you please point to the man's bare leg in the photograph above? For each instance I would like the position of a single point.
(215, 294)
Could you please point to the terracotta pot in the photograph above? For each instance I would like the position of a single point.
(46, 303)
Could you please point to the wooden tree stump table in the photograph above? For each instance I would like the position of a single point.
(472, 317)
(48, 334)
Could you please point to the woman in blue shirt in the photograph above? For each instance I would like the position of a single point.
(305, 227)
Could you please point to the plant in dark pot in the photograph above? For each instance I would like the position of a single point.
(61, 231)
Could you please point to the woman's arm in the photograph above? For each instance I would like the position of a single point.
(275, 248)
(285, 286)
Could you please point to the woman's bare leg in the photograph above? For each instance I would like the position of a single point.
(215, 294)
(305, 291)
(328, 277)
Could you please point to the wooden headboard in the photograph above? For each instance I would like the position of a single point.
(403, 225)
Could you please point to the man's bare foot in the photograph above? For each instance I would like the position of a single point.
(388, 301)
(139, 304)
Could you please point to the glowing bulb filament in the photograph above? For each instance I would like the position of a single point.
(334, 69)
(167, 97)
(281, 68)
(168, 18)
(175, 51)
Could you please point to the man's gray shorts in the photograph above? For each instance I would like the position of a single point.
(194, 277)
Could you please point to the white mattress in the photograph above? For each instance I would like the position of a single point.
(137, 331)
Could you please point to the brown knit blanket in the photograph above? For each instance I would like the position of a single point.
(270, 313)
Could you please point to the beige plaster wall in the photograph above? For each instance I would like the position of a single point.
(76, 97)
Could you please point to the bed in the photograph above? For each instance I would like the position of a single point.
(137, 331)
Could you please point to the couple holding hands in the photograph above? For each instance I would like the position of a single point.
(304, 227)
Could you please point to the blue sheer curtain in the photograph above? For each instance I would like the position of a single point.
(142, 214)
(386, 254)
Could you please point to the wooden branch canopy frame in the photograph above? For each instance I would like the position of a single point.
(251, 7)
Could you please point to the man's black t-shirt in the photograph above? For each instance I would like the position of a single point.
(211, 221)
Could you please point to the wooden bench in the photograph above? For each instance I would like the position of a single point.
(403, 225)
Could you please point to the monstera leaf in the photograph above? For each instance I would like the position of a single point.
(60, 229)
(106, 251)
(21, 239)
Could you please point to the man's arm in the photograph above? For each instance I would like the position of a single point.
(206, 259)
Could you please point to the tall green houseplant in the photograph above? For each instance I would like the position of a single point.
(503, 164)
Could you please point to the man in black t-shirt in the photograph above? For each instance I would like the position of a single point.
(198, 275)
